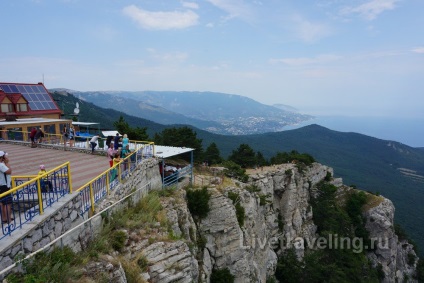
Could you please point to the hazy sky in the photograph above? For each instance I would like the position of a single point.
(352, 57)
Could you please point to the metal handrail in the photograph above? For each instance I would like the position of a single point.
(28, 198)
(99, 187)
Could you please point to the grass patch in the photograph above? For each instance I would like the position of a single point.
(63, 265)
(57, 266)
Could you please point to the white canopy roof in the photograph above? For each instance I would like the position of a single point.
(110, 133)
(163, 151)
(31, 121)
(84, 123)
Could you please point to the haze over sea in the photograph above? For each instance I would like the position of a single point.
(408, 131)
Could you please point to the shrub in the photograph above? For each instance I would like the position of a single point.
(284, 157)
(142, 263)
(240, 213)
(221, 276)
(280, 222)
(411, 258)
(56, 266)
(420, 271)
(201, 242)
(198, 202)
(252, 189)
(233, 170)
(118, 239)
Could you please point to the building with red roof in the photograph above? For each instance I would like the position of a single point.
(24, 106)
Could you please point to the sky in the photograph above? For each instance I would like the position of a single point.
(323, 57)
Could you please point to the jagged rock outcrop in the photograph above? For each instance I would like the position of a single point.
(279, 215)
(229, 246)
(247, 228)
(396, 256)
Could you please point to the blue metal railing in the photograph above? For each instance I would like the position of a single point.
(31, 195)
(176, 176)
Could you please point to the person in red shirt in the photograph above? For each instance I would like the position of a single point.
(32, 136)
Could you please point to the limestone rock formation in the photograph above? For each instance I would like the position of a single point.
(396, 256)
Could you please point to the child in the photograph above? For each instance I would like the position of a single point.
(116, 160)
(45, 181)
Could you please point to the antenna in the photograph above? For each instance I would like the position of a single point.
(76, 110)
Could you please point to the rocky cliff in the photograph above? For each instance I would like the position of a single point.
(249, 226)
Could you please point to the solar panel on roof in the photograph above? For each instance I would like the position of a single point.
(6, 89)
(21, 88)
(36, 95)
(14, 88)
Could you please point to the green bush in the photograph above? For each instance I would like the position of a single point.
(420, 271)
(142, 263)
(252, 189)
(328, 177)
(240, 212)
(334, 264)
(118, 239)
(201, 242)
(284, 157)
(198, 202)
(233, 170)
(411, 258)
(221, 276)
(56, 266)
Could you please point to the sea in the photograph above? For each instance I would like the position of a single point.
(404, 130)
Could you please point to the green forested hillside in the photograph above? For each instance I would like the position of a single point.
(106, 117)
(369, 163)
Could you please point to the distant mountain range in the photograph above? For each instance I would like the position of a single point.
(214, 112)
(387, 167)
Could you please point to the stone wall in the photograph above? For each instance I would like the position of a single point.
(65, 215)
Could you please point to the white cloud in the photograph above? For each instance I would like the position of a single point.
(371, 9)
(190, 5)
(310, 32)
(234, 8)
(418, 50)
(302, 61)
(161, 20)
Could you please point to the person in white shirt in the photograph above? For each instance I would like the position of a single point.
(5, 185)
(93, 142)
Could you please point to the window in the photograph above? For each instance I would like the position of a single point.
(6, 107)
(21, 107)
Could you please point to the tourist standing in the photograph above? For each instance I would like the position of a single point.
(93, 142)
(125, 141)
(116, 142)
(71, 136)
(110, 154)
(5, 185)
(39, 136)
(32, 136)
(65, 136)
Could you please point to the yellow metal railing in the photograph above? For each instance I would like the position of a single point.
(24, 136)
(99, 187)
(79, 141)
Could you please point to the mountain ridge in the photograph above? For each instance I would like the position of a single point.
(368, 163)
(211, 111)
